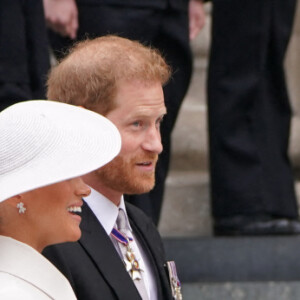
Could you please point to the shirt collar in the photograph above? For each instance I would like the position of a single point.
(105, 210)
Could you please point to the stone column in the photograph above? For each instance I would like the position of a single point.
(292, 65)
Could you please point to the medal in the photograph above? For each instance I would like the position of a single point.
(131, 263)
(174, 281)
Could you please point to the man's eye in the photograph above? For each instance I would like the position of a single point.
(137, 123)
(159, 121)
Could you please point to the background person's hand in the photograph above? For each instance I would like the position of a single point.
(62, 17)
(196, 17)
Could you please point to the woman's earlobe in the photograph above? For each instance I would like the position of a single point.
(17, 202)
(14, 200)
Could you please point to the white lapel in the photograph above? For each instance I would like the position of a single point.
(23, 261)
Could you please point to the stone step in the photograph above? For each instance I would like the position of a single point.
(189, 139)
(242, 291)
(253, 268)
(186, 210)
(237, 259)
(186, 207)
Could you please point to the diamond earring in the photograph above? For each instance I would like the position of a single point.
(21, 208)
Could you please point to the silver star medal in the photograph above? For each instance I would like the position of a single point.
(132, 265)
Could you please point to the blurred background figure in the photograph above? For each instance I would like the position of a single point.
(165, 25)
(24, 51)
(252, 187)
(43, 150)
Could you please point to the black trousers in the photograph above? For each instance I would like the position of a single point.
(24, 51)
(249, 109)
(164, 29)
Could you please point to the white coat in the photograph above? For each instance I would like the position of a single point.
(25, 274)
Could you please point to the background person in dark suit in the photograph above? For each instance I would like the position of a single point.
(24, 51)
(164, 24)
(122, 80)
(252, 186)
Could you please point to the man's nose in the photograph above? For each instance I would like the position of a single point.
(152, 141)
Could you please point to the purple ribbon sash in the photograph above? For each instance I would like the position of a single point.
(120, 237)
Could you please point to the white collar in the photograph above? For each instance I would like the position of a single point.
(23, 261)
(105, 210)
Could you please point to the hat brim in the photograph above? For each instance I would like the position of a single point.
(75, 142)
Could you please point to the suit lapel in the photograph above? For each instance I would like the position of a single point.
(102, 251)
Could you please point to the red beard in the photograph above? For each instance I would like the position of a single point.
(125, 176)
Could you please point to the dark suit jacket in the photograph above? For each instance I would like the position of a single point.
(155, 4)
(94, 267)
(24, 51)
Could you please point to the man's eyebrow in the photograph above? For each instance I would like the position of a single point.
(146, 114)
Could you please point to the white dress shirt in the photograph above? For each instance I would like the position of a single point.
(107, 213)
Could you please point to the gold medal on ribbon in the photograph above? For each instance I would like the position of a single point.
(131, 264)
(130, 261)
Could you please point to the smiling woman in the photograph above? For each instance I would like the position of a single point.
(44, 147)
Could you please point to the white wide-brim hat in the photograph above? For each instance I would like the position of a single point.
(44, 142)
